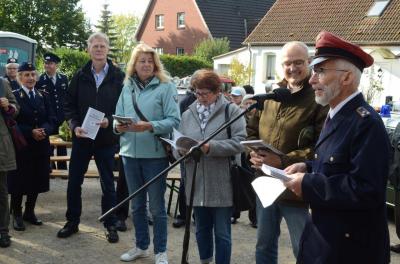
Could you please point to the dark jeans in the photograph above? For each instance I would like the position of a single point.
(81, 154)
(4, 211)
(122, 192)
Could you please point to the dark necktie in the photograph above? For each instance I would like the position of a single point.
(31, 97)
(327, 122)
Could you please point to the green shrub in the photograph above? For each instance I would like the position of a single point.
(71, 61)
(209, 48)
(183, 65)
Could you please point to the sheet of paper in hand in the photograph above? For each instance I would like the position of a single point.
(181, 142)
(125, 120)
(91, 123)
(259, 144)
(275, 173)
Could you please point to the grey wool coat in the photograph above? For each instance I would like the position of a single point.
(7, 152)
(213, 187)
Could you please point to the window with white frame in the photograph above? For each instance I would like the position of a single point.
(378, 7)
(159, 50)
(159, 21)
(180, 51)
(181, 20)
(270, 65)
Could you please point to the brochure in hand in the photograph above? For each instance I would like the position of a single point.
(259, 144)
(125, 120)
(275, 173)
(181, 142)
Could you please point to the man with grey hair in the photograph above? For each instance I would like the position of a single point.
(345, 183)
(98, 85)
(291, 127)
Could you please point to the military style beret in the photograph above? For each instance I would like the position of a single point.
(26, 66)
(51, 57)
(12, 60)
(329, 46)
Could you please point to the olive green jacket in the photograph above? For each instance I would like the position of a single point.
(292, 127)
(7, 153)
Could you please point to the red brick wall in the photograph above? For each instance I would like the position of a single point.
(171, 37)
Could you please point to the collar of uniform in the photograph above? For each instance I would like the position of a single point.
(26, 90)
(333, 111)
(50, 77)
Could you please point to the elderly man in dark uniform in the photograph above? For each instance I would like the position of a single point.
(55, 85)
(11, 73)
(345, 184)
(36, 122)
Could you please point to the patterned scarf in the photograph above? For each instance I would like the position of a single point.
(204, 113)
(140, 83)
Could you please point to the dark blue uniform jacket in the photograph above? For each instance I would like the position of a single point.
(56, 94)
(346, 189)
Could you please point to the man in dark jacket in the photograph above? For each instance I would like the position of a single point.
(345, 184)
(11, 73)
(97, 85)
(55, 85)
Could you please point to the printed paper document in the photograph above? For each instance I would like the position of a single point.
(91, 122)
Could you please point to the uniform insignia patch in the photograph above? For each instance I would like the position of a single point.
(363, 112)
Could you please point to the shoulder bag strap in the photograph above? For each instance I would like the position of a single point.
(137, 110)
(228, 129)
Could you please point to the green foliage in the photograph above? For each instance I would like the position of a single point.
(107, 26)
(374, 87)
(125, 28)
(239, 72)
(209, 48)
(71, 61)
(65, 132)
(183, 65)
(52, 23)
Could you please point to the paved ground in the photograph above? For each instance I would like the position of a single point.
(40, 244)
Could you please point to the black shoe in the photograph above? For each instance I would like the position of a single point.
(395, 248)
(69, 229)
(4, 240)
(178, 222)
(121, 226)
(112, 234)
(31, 218)
(233, 220)
(18, 223)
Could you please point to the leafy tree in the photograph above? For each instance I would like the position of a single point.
(52, 23)
(125, 28)
(209, 48)
(107, 26)
(239, 72)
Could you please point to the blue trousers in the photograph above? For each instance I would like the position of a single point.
(81, 154)
(137, 173)
(210, 222)
(268, 232)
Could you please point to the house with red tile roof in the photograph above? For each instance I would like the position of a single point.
(176, 26)
(372, 24)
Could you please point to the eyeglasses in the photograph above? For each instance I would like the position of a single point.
(321, 71)
(296, 63)
(205, 94)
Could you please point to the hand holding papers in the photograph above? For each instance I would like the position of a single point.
(267, 188)
(91, 123)
(181, 142)
(124, 120)
(257, 145)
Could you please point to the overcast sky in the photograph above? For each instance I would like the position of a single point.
(92, 8)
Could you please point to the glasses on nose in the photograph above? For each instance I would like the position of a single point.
(320, 72)
(296, 63)
(204, 94)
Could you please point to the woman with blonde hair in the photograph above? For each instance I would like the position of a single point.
(150, 98)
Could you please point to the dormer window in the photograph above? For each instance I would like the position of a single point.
(378, 7)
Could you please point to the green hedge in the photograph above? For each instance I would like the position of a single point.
(183, 65)
(71, 61)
